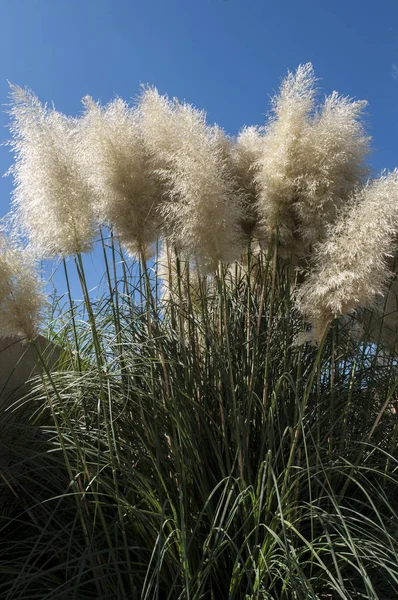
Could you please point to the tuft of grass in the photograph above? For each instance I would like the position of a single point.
(185, 448)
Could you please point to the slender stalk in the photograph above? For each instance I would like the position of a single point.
(270, 324)
(303, 406)
(101, 369)
(72, 312)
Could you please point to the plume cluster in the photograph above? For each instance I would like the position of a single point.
(352, 266)
(127, 191)
(157, 170)
(21, 298)
(202, 210)
(52, 197)
(280, 162)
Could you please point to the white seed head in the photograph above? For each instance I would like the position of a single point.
(333, 152)
(202, 211)
(352, 264)
(52, 198)
(127, 191)
(21, 298)
(313, 160)
(245, 157)
(279, 164)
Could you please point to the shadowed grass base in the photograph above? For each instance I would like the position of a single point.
(184, 449)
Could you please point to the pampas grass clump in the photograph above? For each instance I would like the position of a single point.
(185, 446)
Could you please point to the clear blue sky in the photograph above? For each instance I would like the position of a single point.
(226, 56)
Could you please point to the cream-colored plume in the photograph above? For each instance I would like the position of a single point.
(333, 152)
(312, 162)
(280, 163)
(352, 264)
(52, 198)
(202, 213)
(21, 298)
(128, 193)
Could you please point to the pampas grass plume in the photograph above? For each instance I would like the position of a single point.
(127, 192)
(312, 161)
(352, 266)
(245, 156)
(202, 212)
(21, 297)
(279, 164)
(333, 152)
(52, 198)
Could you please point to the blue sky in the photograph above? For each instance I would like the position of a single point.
(226, 56)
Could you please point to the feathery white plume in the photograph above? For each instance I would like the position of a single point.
(352, 264)
(312, 162)
(128, 193)
(202, 212)
(279, 165)
(333, 152)
(52, 199)
(21, 298)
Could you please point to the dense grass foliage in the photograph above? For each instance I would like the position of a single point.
(186, 448)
